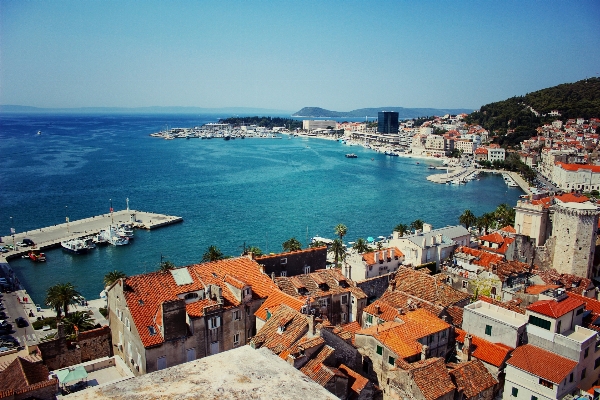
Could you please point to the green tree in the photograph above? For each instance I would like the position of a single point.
(341, 230)
(316, 243)
(402, 229)
(467, 218)
(166, 266)
(291, 245)
(213, 253)
(62, 295)
(113, 276)
(338, 250)
(79, 319)
(361, 246)
(254, 250)
(487, 221)
(504, 215)
(416, 224)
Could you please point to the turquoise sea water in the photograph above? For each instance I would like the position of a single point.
(255, 191)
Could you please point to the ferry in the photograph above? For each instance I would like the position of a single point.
(351, 155)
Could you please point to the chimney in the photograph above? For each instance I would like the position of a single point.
(467, 347)
(395, 235)
(311, 325)
(424, 352)
(273, 276)
(427, 228)
(391, 253)
(262, 269)
(376, 256)
(424, 242)
(433, 240)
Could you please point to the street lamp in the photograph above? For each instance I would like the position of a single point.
(67, 217)
(111, 213)
(12, 232)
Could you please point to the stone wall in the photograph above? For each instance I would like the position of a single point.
(62, 352)
(345, 353)
(293, 263)
(523, 250)
(375, 287)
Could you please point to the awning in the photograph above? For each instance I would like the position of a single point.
(370, 239)
(71, 374)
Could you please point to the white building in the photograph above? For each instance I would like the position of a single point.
(465, 145)
(372, 264)
(311, 125)
(494, 324)
(576, 176)
(431, 245)
(496, 153)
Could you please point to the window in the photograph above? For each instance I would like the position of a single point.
(189, 296)
(324, 302)
(534, 398)
(236, 339)
(127, 323)
(571, 377)
(345, 299)
(307, 269)
(247, 310)
(579, 311)
(494, 290)
(369, 319)
(542, 323)
(190, 354)
(365, 366)
(515, 392)
(443, 334)
(283, 273)
(283, 261)
(214, 322)
(488, 330)
(119, 314)
(247, 291)
(379, 350)
(546, 383)
(343, 317)
(583, 374)
(391, 360)
(465, 284)
(586, 352)
(235, 315)
(597, 363)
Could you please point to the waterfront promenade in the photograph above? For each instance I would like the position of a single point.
(51, 236)
(461, 172)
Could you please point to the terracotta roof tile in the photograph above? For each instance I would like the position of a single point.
(427, 287)
(21, 376)
(432, 378)
(275, 299)
(272, 337)
(512, 305)
(542, 363)
(145, 293)
(382, 310)
(472, 378)
(555, 309)
(537, 289)
(571, 283)
(318, 284)
(572, 198)
(399, 299)
(357, 381)
(491, 353)
(383, 254)
(280, 255)
(456, 315)
(316, 370)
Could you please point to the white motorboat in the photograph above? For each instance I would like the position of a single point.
(76, 246)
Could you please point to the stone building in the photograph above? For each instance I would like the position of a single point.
(575, 227)
(373, 263)
(24, 379)
(295, 262)
(162, 319)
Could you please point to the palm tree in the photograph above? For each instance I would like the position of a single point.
(166, 266)
(212, 254)
(505, 215)
(402, 229)
(341, 230)
(291, 245)
(361, 246)
(79, 319)
(316, 243)
(62, 295)
(339, 251)
(488, 220)
(416, 225)
(113, 276)
(467, 218)
(254, 250)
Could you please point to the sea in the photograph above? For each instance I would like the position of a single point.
(231, 194)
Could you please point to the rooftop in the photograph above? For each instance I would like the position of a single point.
(542, 363)
(491, 353)
(426, 287)
(497, 313)
(239, 374)
(554, 308)
(472, 378)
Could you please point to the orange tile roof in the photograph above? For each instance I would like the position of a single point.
(572, 198)
(270, 336)
(402, 337)
(571, 283)
(512, 305)
(555, 309)
(577, 167)
(382, 310)
(432, 378)
(494, 237)
(542, 363)
(491, 353)
(383, 254)
(357, 381)
(472, 378)
(145, 293)
(335, 283)
(544, 202)
(426, 287)
(483, 258)
(316, 370)
(275, 299)
(509, 229)
(399, 299)
(537, 289)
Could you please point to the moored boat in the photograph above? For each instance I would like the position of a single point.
(37, 257)
(351, 155)
(76, 246)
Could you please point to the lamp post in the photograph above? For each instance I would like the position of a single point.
(111, 213)
(67, 217)
(12, 232)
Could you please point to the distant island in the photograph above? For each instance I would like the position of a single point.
(403, 113)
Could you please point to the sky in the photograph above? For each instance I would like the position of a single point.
(338, 55)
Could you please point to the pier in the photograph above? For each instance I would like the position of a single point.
(51, 236)
(461, 172)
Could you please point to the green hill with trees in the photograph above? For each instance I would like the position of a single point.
(267, 122)
(572, 100)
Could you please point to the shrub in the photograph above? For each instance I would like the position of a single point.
(39, 324)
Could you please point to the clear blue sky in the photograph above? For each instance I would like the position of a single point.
(339, 55)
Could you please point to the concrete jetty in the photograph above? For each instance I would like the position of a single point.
(51, 236)
(461, 172)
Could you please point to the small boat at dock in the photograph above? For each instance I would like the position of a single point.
(351, 155)
(36, 256)
(75, 246)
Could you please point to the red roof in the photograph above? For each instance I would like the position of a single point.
(383, 255)
(542, 363)
(491, 353)
(577, 167)
(555, 309)
(537, 289)
(572, 198)
(275, 299)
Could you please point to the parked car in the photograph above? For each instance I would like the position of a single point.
(21, 322)
(3, 249)
(28, 242)
(21, 244)
(3, 315)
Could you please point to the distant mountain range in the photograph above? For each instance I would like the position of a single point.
(14, 109)
(403, 113)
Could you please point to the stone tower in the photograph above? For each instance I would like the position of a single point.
(574, 229)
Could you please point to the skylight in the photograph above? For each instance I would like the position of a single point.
(181, 276)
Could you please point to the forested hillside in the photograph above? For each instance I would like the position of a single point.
(572, 100)
(267, 122)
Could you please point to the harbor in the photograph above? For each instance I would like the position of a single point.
(52, 236)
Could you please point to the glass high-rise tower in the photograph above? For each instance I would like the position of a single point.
(387, 122)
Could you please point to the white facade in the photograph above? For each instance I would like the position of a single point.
(310, 125)
(466, 146)
(494, 324)
(496, 154)
(523, 385)
(531, 220)
(575, 176)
